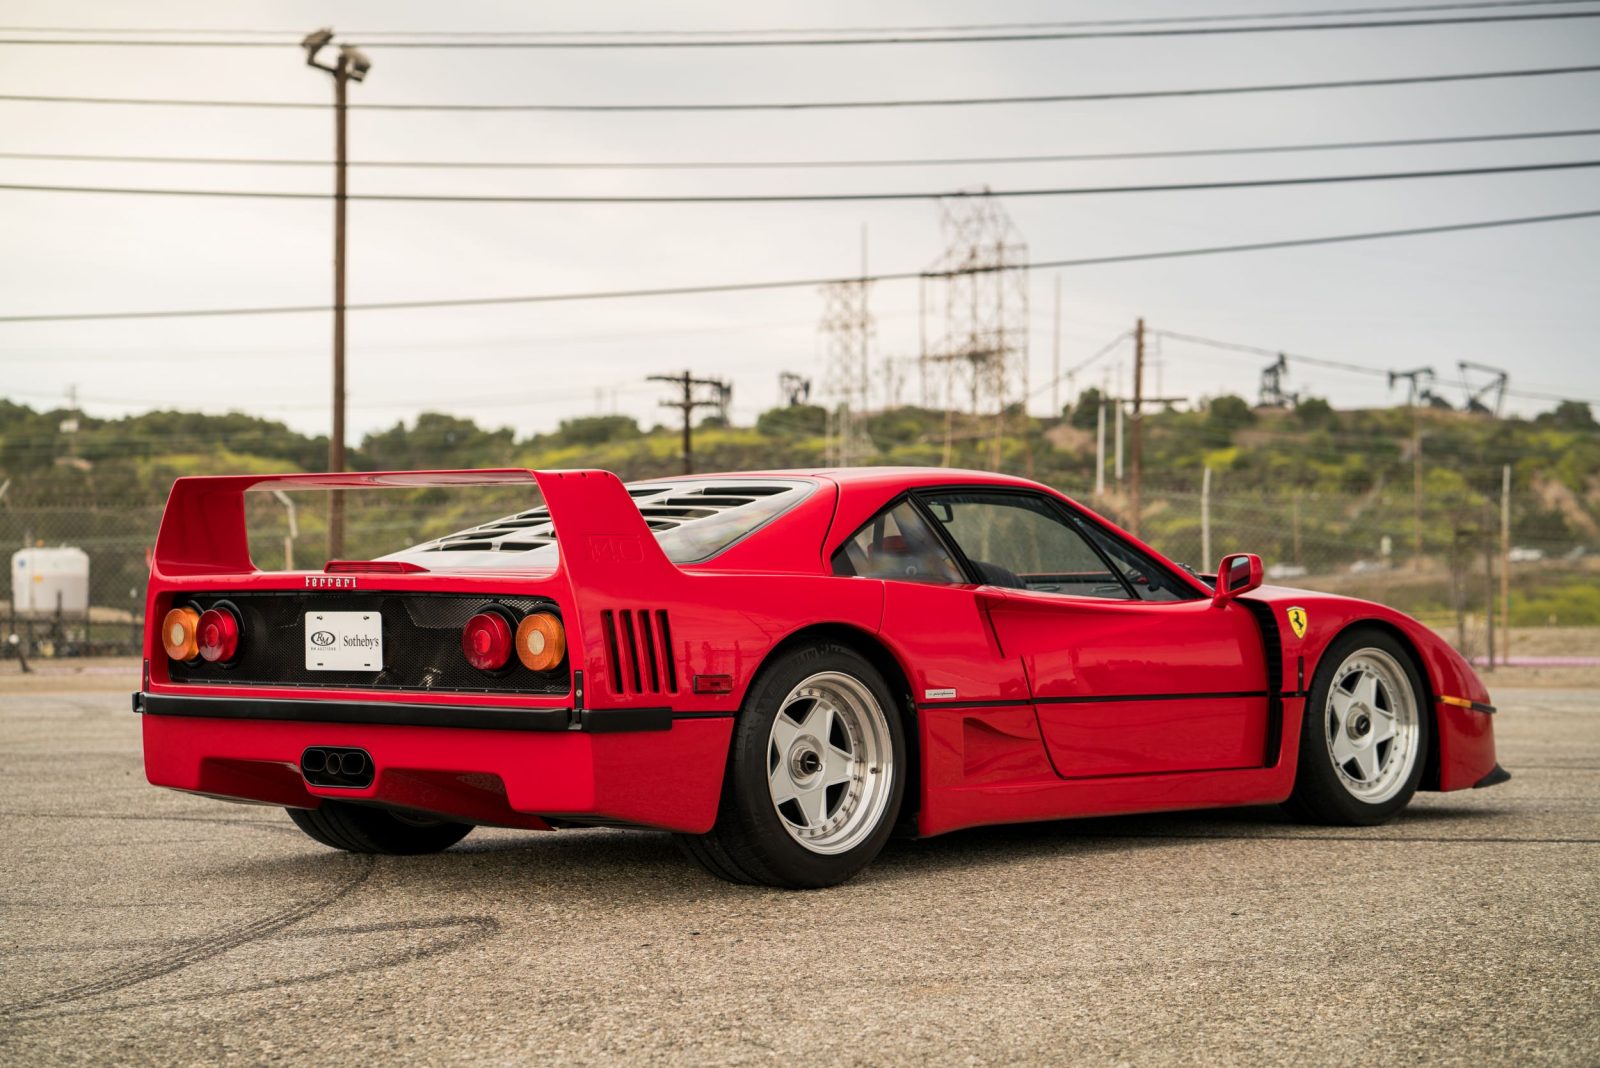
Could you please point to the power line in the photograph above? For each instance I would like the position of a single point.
(811, 198)
(830, 105)
(633, 43)
(1076, 157)
(1148, 21)
(806, 283)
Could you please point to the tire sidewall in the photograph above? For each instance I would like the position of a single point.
(1317, 782)
(748, 796)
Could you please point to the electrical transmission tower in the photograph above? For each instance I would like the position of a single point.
(848, 329)
(981, 284)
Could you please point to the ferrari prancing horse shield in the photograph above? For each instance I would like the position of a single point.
(1297, 621)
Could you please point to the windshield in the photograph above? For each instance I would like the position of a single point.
(693, 519)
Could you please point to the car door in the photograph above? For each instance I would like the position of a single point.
(1131, 670)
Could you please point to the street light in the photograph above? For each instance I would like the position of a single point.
(351, 65)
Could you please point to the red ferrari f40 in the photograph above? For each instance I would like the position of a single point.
(782, 668)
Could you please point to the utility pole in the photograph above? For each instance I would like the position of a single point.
(687, 402)
(1100, 450)
(1505, 564)
(1117, 449)
(1416, 491)
(1488, 575)
(1205, 517)
(1138, 427)
(350, 66)
(1055, 358)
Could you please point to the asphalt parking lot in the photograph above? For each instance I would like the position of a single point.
(139, 925)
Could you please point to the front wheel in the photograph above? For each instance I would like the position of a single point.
(815, 775)
(368, 829)
(1365, 733)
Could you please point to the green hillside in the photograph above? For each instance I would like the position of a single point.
(1312, 488)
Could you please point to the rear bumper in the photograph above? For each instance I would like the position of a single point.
(664, 772)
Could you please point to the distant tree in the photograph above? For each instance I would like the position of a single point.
(1314, 413)
(436, 440)
(1228, 413)
(1569, 415)
(597, 429)
(795, 420)
(1086, 413)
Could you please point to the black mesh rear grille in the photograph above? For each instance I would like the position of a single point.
(421, 643)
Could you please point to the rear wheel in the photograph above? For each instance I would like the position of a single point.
(365, 829)
(815, 775)
(1365, 734)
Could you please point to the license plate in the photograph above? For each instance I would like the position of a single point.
(344, 641)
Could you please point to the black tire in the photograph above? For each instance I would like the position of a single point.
(366, 829)
(749, 842)
(1321, 794)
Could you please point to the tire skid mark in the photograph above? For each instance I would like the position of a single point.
(201, 950)
(272, 825)
(472, 929)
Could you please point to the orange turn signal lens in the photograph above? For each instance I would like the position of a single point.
(179, 634)
(541, 642)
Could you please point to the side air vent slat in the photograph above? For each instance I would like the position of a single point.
(608, 625)
(630, 645)
(647, 642)
(666, 651)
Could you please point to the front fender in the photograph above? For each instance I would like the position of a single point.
(1463, 716)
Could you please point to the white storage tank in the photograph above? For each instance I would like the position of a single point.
(40, 576)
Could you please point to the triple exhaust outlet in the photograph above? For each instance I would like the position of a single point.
(349, 768)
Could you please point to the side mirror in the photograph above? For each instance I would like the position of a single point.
(1238, 573)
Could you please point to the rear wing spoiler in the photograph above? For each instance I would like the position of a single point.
(605, 546)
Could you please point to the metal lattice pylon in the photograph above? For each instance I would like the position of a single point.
(980, 285)
(848, 331)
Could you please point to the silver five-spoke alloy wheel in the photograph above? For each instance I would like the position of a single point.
(830, 762)
(1371, 723)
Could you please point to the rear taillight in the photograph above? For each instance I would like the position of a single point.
(486, 641)
(218, 634)
(541, 642)
(180, 634)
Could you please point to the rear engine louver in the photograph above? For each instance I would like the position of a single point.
(639, 651)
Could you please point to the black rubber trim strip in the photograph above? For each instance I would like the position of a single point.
(1095, 699)
(1488, 710)
(478, 717)
(608, 721)
(1494, 778)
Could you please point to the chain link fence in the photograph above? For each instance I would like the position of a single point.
(1365, 545)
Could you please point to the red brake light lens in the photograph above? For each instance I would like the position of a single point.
(486, 641)
(217, 635)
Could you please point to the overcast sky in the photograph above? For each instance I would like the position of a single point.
(1524, 299)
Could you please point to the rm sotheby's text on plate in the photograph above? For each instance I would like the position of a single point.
(344, 641)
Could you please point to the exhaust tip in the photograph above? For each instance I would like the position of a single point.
(350, 769)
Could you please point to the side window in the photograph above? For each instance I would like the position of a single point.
(897, 544)
(1150, 580)
(1022, 542)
